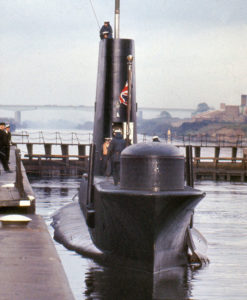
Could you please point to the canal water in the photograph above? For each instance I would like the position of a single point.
(221, 217)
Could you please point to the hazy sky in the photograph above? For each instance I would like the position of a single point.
(187, 51)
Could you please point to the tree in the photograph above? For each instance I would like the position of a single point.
(201, 107)
(165, 114)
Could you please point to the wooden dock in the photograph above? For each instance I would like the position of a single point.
(52, 165)
(74, 163)
(49, 164)
(67, 155)
(220, 168)
(30, 266)
(16, 193)
(215, 167)
(206, 168)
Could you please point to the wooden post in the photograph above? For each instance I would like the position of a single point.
(216, 154)
(47, 149)
(244, 158)
(234, 154)
(197, 154)
(189, 166)
(30, 149)
(81, 151)
(65, 151)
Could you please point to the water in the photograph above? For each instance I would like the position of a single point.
(221, 217)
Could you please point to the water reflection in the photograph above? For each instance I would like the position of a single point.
(114, 283)
(47, 191)
(64, 192)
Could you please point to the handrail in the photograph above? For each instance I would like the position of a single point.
(42, 137)
(243, 159)
(55, 156)
(77, 138)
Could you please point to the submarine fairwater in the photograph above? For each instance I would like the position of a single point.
(145, 221)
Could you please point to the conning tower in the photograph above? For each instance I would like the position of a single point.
(113, 110)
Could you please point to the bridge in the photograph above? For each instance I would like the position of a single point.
(19, 108)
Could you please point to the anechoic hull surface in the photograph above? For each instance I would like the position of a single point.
(146, 228)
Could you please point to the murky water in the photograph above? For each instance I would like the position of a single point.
(221, 217)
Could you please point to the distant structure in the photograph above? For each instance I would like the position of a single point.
(226, 113)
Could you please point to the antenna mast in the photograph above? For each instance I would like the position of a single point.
(117, 19)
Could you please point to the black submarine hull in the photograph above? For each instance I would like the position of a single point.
(143, 221)
(147, 229)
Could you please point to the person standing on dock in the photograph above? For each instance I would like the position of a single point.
(116, 147)
(104, 158)
(7, 130)
(106, 31)
(3, 145)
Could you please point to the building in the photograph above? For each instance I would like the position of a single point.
(226, 113)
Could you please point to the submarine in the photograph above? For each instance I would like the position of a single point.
(146, 221)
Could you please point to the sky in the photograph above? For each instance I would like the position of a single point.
(187, 52)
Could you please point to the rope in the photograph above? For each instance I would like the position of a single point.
(94, 13)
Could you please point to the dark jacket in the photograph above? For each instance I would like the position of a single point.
(8, 137)
(116, 147)
(107, 29)
(4, 142)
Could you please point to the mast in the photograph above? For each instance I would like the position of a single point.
(129, 104)
(117, 19)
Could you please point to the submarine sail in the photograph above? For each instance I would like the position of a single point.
(111, 108)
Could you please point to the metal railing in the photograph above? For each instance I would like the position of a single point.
(76, 138)
(204, 140)
(56, 138)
